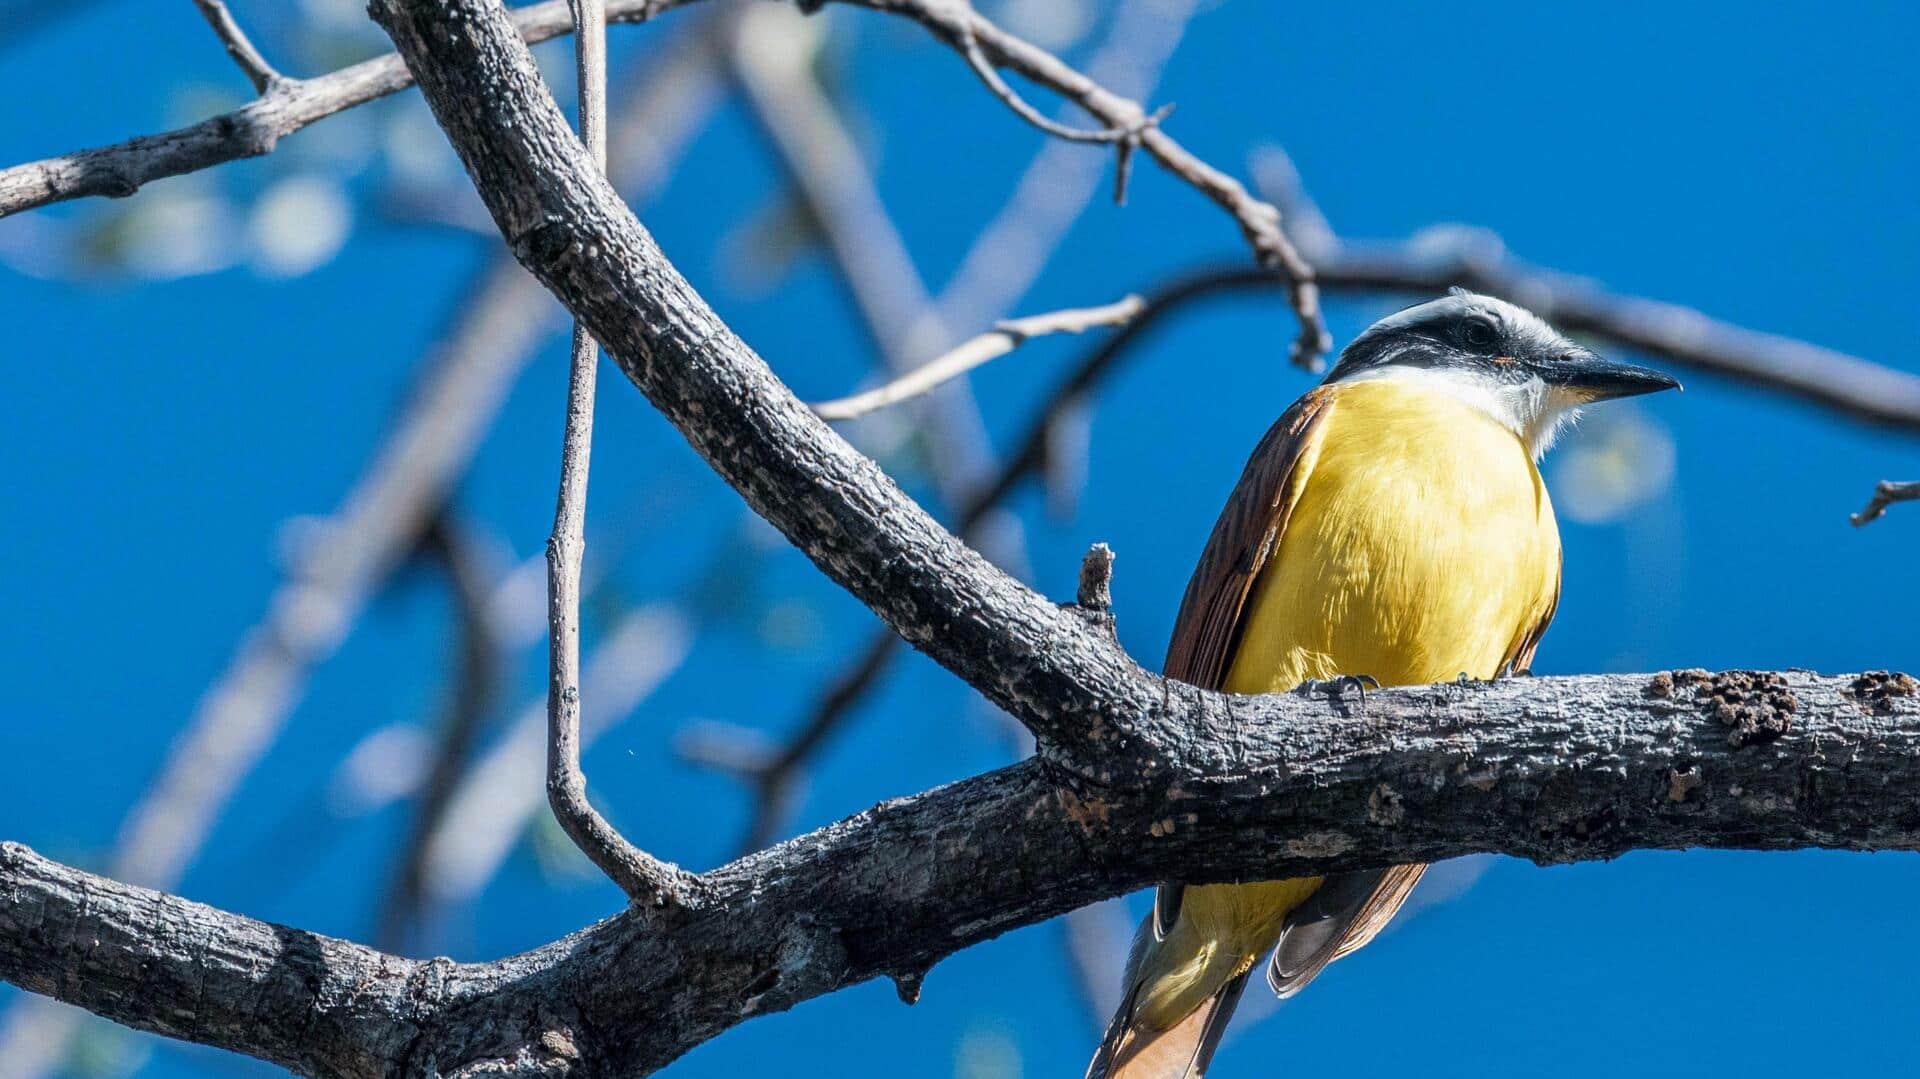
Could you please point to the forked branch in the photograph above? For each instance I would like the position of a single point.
(644, 878)
(255, 66)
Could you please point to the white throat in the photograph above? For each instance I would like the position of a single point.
(1532, 409)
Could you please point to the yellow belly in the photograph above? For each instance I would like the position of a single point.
(1422, 547)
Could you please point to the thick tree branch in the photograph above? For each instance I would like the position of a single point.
(1552, 769)
(159, 963)
(999, 267)
(1140, 779)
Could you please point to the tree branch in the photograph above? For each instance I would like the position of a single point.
(1139, 778)
(1886, 493)
(309, 1003)
(985, 348)
(644, 878)
(255, 128)
(999, 267)
(475, 686)
(972, 34)
(253, 65)
(1552, 769)
(488, 340)
(1477, 259)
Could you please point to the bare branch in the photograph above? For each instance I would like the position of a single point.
(475, 685)
(264, 78)
(645, 879)
(310, 1003)
(494, 802)
(1228, 788)
(977, 60)
(1061, 180)
(255, 128)
(966, 30)
(490, 338)
(774, 776)
(1886, 493)
(1477, 259)
(999, 267)
(985, 348)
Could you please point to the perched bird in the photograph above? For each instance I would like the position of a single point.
(1391, 526)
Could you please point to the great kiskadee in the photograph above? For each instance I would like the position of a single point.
(1391, 525)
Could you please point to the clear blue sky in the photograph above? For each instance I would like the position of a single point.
(163, 424)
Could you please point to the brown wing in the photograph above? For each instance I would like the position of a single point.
(1342, 915)
(1521, 661)
(1213, 612)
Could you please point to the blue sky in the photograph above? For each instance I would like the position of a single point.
(192, 369)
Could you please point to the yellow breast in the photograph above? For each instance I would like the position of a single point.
(1422, 545)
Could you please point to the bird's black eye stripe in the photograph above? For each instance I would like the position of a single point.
(1479, 331)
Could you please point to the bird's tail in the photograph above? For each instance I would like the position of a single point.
(1140, 1044)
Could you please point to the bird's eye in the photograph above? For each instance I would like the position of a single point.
(1479, 332)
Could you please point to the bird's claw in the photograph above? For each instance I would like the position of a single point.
(1336, 688)
(1466, 681)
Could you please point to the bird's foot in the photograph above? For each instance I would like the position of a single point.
(1467, 682)
(1335, 689)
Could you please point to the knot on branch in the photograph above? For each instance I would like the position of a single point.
(1666, 683)
(1756, 707)
(1682, 781)
(907, 984)
(1093, 600)
(1875, 691)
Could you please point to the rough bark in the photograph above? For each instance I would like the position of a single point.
(1552, 769)
(1138, 779)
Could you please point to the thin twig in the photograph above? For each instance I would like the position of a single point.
(489, 339)
(977, 60)
(966, 30)
(646, 880)
(255, 66)
(120, 169)
(1009, 253)
(493, 803)
(475, 687)
(775, 776)
(985, 348)
(1886, 493)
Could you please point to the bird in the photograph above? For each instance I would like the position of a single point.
(1391, 528)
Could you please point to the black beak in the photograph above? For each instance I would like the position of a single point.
(1598, 379)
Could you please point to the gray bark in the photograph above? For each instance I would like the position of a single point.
(1138, 779)
(1551, 769)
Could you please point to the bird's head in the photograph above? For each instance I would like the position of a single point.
(1503, 359)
